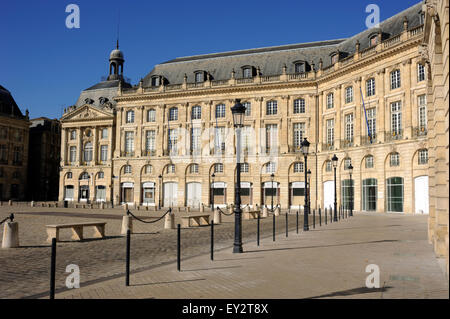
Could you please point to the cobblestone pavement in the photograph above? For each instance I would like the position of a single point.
(326, 262)
(24, 272)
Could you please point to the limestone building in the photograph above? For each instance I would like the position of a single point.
(13, 148)
(45, 150)
(365, 98)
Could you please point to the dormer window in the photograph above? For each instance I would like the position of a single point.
(421, 17)
(248, 71)
(156, 80)
(334, 58)
(199, 76)
(300, 67)
(373, 40)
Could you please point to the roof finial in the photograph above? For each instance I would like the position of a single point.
(117, 45)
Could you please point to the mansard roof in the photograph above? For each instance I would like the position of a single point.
(271, 60)
(8, 107)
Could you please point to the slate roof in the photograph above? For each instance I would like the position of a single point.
(8, 107)
(270, 60)
(106, 89)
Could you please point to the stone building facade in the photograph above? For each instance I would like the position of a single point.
(363, 98)
(435, 53)
(45, 150)
(13, 148)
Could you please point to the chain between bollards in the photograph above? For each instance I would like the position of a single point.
(179, 247)
(53, 269)
(127, 259)
(212, 240)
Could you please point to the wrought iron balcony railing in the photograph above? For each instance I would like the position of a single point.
(127, 153)
(393, 135)
(329, 146)
(365, 140)
(347, 143)
(149, 152)
(420, 131)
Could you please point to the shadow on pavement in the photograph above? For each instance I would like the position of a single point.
(323, 246)
(212, 268)
(165, 282)
(350, 292)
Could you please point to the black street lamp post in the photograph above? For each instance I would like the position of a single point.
(213, 176)
(350, 170)
(272, 176)
(305, 148)
(309, 189)
(335, 162)
(238, 111)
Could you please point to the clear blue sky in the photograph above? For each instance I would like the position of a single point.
(45, 65)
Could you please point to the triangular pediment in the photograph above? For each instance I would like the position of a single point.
(87, 113)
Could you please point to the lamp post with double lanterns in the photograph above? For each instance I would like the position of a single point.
(213, 176)
(335, 162)
(305, 148)
(238, 111)
(350, 170)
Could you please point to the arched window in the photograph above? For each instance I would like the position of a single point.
(87, 153)
(347, 162)
(394, 159)
(151, 115)
(193, 169)
(171, 169)
(84, 175)
(369, 161)
(101, 175)
(127, 169)
(270, 167)
(423, 157)
(245, 167)
(130, 116)
(299, 106)
(196, 113)
(218, 168)
(148, 169)
(328, 166)
(173, 114)
(298, 167)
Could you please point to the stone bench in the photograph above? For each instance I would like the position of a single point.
(251, 214)
(195, 220)
(77, 230)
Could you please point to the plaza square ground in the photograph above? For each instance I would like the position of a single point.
(329, 261)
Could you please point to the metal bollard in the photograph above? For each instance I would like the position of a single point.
(179, 247)
(287, 224)
(273, 226)
(325, 211)
(127, 259)
(53, 269)
(320, 217)
(314, 219)
(297, 222)
(258, 230)
(212, 241)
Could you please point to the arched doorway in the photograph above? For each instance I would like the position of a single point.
(193, 194)
(170, 194)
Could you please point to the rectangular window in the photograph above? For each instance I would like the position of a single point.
(330, 132)
(270, 168)
(104, 134)
(73, 154)
(328, 166)
(370, 87)
(369, 162)
(219, 140)
(395, 79)
(299, 133)
(218, 168)
(299, 106)
(104, 153)
(298, 167)
(68, 192)
(395, 159)
(151, 115)
(129, 142)
(130, 117)
(195, 140)
(420, 72)
(422, 112)
(100, 193)
(248, 108)
(244, 168)
(172, 140)
(372, 121)
(330, 101)
(349, 94)
(396, 118)
(271, 137)
(271, 108)
(246, 138)
(349, 127)
(173, 114)
(247, 73)
(220, 110)
(150, 142)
